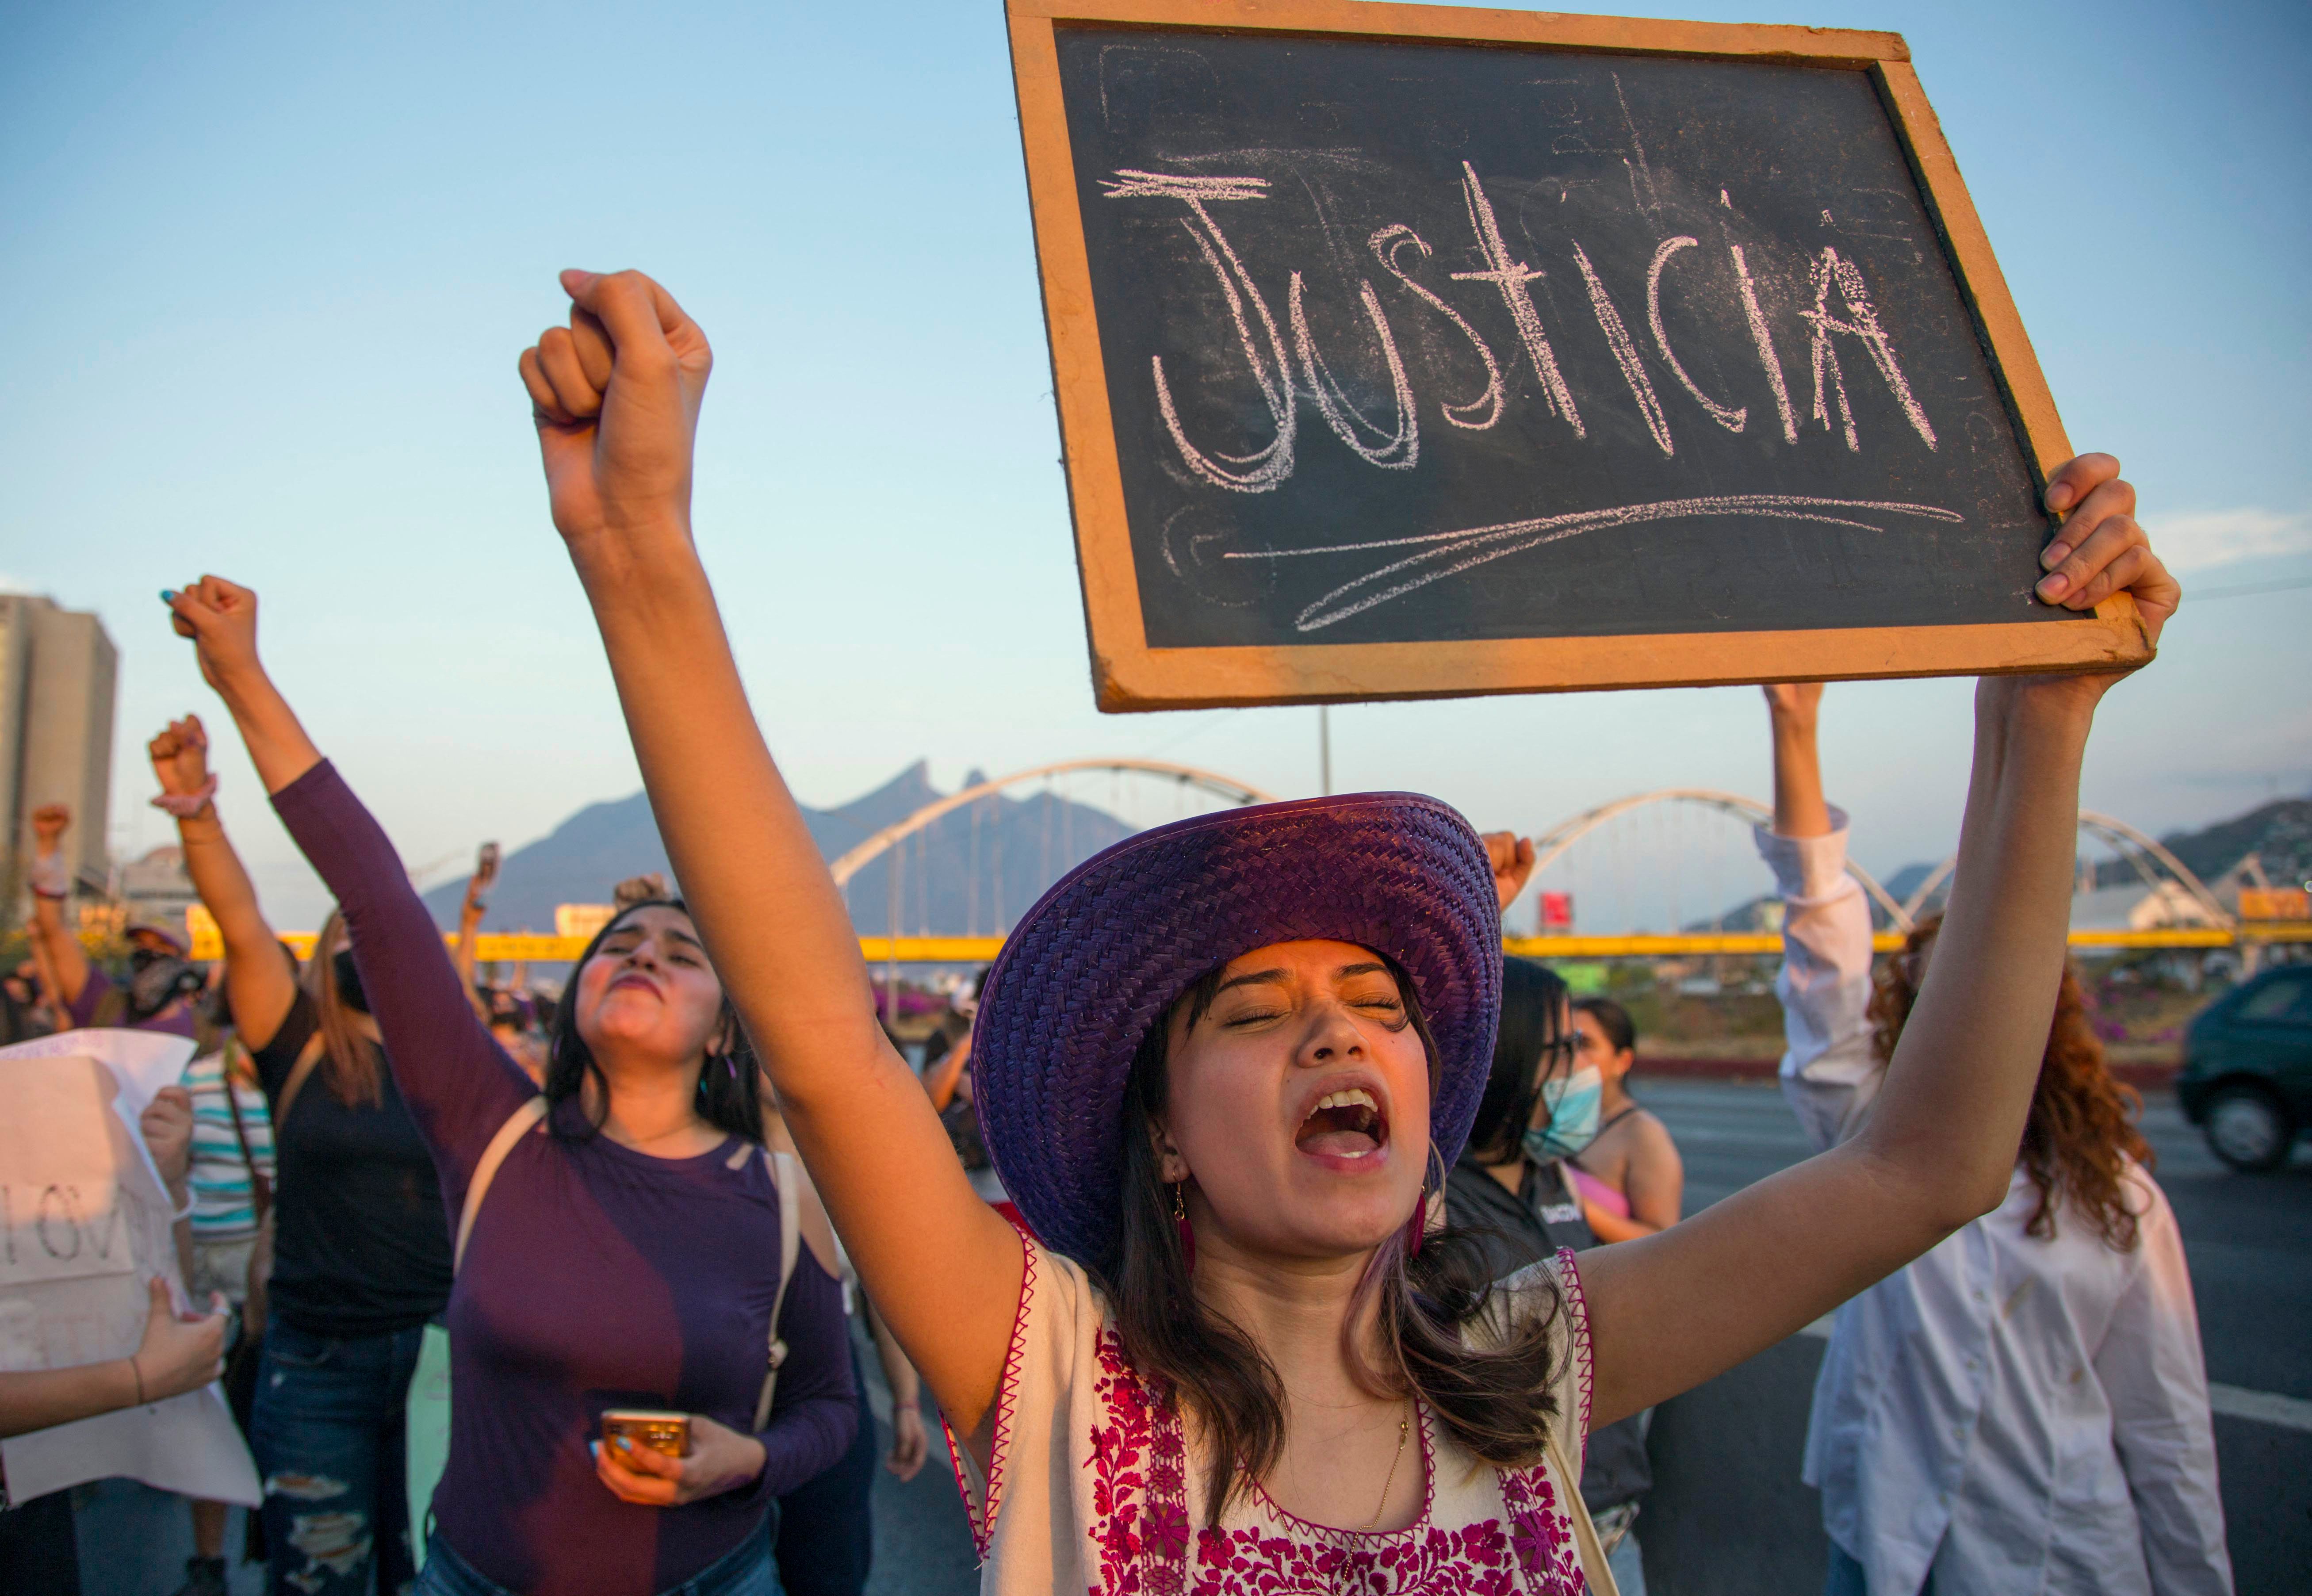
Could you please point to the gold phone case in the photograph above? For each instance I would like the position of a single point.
(668, 1432)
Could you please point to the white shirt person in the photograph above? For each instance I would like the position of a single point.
(2010, 1412)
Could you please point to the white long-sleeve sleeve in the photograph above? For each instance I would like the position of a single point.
(2155, 1378)
(1829, 1072)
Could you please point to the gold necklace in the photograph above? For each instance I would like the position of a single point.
(1404, 1428)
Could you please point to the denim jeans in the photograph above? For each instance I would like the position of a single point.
(327, 1433)
(1628, 1567)
(744, 1570)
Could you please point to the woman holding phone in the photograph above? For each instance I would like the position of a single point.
(628, 1255)
(1221, 1068)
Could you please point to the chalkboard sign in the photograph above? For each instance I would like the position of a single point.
(1405, 351)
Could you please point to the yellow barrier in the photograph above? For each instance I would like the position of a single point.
(495, 948)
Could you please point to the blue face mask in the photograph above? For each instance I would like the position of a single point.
(1573, 1101)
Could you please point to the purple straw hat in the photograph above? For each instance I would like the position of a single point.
(1104, 954)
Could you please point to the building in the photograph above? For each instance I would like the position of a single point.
(156, 889)
(58, 673)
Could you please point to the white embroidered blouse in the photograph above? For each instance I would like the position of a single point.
(1090, 1486)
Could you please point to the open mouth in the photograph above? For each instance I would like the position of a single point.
(1345, 1124)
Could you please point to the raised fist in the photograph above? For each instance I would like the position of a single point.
(1512, 857)
(616, 397)
(49, 823)
(180, 755)
(221, 619)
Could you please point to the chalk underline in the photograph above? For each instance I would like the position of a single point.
(1448, 554)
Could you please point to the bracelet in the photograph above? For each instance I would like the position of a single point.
(184, 806)
(139, 1375)
(48, 878)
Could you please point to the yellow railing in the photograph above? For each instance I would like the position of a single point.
(496, 948)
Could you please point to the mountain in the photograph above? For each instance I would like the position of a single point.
(973, 871)
(2279, 833)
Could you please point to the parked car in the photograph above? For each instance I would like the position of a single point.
(2246, 1081)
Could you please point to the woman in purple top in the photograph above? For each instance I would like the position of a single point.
(626, 1254)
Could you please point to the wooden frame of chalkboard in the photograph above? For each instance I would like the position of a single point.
(1130, 673)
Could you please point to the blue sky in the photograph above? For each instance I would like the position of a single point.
(271, 266)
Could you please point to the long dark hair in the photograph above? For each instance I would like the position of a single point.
(1495, 1398)
(350, 1063)
(1533, 1033)
(726, 1086)
(2081, 1129)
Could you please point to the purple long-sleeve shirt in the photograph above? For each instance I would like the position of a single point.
(595, 1278)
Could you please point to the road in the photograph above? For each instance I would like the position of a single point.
(2249, 1238)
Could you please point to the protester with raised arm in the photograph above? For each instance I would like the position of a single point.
(628, 1255)
(2025, 1407)
(351, 1257)
(1222, 1066)
(162, 985)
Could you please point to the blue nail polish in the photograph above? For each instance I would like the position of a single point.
(168, 595)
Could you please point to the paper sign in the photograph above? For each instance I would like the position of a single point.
(85, 1224)
(144, 1060)
(61, 1208)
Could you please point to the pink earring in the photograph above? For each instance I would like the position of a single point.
(1413, 1231)
(1180, 1222)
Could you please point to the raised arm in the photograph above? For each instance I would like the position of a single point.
(1938, 1148)
(470, 924)
(616, 397)
(65, 962)
(259, 981)
(460, 1085)
(1830, 1070)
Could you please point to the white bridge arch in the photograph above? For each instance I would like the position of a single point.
(1553, 844)
(890, 836)
(2140, 852)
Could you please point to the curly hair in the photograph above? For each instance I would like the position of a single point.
(2081, 1129)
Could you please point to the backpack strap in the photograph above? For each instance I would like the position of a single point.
(260, 1190)
(532, 1112)
(308, 1058)
(789, 1184)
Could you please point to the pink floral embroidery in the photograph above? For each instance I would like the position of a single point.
(1140, 1498)
(1543, 1538)
(1141, 1535)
